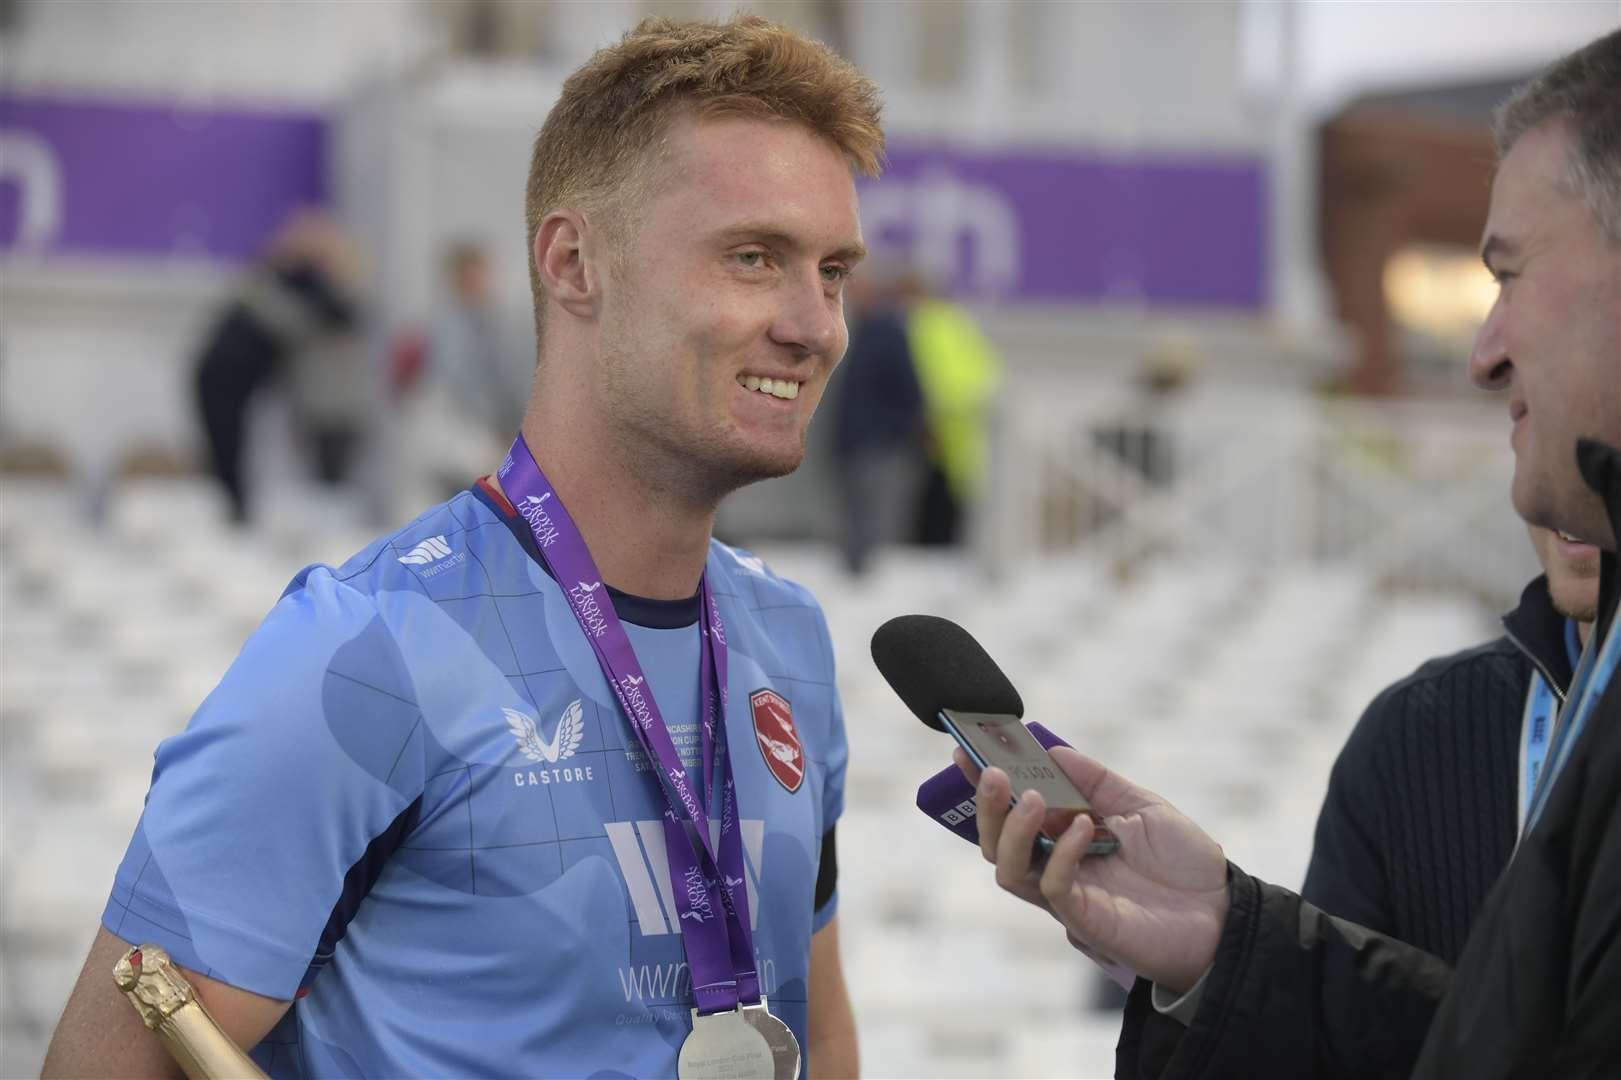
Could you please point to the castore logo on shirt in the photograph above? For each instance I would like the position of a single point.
(565, 741)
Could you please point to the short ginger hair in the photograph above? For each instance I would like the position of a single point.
(600, 144)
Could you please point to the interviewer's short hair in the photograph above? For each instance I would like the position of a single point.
(599, 148)
(1583, 91)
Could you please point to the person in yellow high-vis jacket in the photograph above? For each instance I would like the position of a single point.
(959, 372)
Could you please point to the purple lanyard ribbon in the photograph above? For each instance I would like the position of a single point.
(708, 879)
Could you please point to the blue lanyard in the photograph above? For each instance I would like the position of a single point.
(1592, 677)
(1540, 707)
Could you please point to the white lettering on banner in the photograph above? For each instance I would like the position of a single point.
(32, 164)
(939, 210)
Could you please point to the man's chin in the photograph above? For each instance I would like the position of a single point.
(1581, 514)
(772, 467)
(751, 465)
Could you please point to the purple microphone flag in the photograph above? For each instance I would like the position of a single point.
(948, 797)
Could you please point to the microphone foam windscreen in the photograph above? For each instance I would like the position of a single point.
(934, 664)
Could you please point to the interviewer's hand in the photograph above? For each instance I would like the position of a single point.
(1157, 905)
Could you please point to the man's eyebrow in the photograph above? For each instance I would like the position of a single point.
(776, 238)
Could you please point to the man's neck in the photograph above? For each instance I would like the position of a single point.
(646, 540)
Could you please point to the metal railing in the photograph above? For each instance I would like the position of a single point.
(1415, 492)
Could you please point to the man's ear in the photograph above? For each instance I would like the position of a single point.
(565, 263)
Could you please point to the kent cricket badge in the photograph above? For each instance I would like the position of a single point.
(779, 742)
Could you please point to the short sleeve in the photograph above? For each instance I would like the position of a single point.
(309, 748)
(838, 759)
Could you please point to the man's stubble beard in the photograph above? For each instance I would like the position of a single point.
(1582, 614)
(1583, 609)
(666, 452)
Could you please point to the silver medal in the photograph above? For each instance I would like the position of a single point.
(779, 1036)
(727, 1046)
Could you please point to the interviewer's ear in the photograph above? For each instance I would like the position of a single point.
(564, 261)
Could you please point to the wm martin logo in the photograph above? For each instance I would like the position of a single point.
(430, 550)
(639, 848)
(433, 557)
(564, 741)
(752, 563)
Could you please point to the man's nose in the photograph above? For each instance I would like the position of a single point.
(810, 320)
(1489, 365)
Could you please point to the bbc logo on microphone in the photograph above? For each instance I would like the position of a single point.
(959, 813)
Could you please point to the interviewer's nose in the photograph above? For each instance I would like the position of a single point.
(1489, 365)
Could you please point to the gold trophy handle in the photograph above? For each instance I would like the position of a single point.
(169, 1006)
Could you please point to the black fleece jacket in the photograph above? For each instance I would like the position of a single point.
(1295, 992)
(1422, 805)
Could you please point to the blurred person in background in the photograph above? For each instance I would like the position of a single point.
(299, 306)
(467, 397)
(1440, 769)
(414, 831)
(877, 407)
(1238, 977)
(960, 372)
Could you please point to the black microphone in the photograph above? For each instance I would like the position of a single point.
(950, 682)
(934, 664)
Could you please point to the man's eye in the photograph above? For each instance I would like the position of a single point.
(833, 272)
(751, 258)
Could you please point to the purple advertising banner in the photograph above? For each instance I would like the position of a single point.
(96, 178)
(1073, 227)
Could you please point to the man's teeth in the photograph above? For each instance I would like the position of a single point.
(786, 389)
(1563, 535)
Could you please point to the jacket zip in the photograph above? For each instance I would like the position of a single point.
(1542, 669)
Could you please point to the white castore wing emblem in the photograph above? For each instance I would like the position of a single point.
(564, 741)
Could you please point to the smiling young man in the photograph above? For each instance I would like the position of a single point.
(518, 788)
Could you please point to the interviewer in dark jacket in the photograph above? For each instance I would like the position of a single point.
(1431, 791)
(1243, 978)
